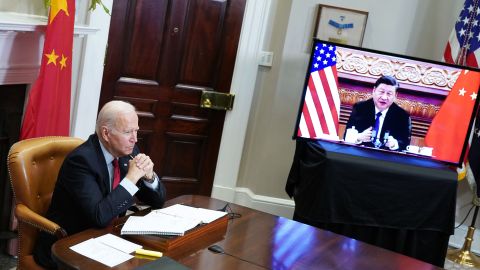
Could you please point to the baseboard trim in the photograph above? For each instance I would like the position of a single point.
(246, 197)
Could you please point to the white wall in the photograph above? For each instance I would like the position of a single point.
(36, 7)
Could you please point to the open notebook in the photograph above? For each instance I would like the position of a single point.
(173, 220)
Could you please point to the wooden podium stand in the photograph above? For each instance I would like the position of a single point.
(194, 239)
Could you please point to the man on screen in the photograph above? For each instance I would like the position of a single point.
(379, 121)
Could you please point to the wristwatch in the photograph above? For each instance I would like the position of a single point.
(150, 181)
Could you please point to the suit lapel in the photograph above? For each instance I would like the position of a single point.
(123, 163)
(102, 165)
(388, 121)
(371, 114)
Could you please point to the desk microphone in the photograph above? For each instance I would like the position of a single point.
(385, 137)
(374, 136)
(223, 209)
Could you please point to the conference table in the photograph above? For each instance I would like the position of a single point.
(253, 240)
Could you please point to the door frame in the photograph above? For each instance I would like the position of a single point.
(243, 85)
(85, 103)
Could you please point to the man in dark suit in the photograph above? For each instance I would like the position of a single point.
(379, 121)
(100, 179)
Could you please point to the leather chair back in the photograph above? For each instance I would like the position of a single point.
(33, 166)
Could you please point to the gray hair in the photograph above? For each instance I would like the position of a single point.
(109, 113)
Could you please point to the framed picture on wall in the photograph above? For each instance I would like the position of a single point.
(341, 25)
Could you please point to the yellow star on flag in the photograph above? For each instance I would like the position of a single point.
(52, 57)
(63, 62)
(56, 6)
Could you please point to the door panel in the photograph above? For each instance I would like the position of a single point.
(161, 56)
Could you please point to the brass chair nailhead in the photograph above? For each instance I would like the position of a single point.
(38, 196)
(51, 158)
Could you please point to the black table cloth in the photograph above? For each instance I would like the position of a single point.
(396, 201)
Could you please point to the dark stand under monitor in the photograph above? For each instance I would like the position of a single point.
(405, 205)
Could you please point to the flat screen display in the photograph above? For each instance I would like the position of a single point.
(388, 102)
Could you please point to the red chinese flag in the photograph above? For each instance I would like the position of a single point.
(48, 108)
(450, 126)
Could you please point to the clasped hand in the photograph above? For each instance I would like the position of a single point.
(365, 136)
(141, 165)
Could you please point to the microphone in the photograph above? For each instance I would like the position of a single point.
(223, 209)
(385, 137)
(374, 135)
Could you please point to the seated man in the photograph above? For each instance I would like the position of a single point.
(99, 179)
(379, 121)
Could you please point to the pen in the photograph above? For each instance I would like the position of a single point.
(152, 253)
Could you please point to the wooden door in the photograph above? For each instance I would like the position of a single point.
(161, 55)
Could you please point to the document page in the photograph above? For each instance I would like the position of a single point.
(202, 214)
(118, 243)
(98, 251)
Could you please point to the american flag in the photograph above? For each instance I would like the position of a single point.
(462, 49)
(321, 108)
(464, 41)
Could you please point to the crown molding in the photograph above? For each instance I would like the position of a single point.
(18, 22)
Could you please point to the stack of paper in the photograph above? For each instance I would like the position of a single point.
(201, 214)
(173, 220)
(159, 224)
(108, 249)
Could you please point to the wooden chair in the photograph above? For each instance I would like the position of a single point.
(33, 166)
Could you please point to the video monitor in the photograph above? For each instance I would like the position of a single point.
(388, 102)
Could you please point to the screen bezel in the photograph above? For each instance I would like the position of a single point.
(304, 90)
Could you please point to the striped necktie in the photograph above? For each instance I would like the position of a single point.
(376, 127)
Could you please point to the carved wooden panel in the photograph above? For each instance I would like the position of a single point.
(204, 39)
(410, 74)
(147, 19)
(186, 157)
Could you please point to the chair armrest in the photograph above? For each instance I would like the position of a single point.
(24, 214)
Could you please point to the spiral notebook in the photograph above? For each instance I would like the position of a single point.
(158, 224)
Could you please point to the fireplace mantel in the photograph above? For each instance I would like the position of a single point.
(21, 43)
(17, 22)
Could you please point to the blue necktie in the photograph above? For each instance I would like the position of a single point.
(376, 127)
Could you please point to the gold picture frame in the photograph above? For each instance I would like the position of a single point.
(341, 25)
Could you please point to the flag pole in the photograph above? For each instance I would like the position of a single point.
(465, 256)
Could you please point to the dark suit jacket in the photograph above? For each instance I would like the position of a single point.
(397, 122)
(82, 197)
